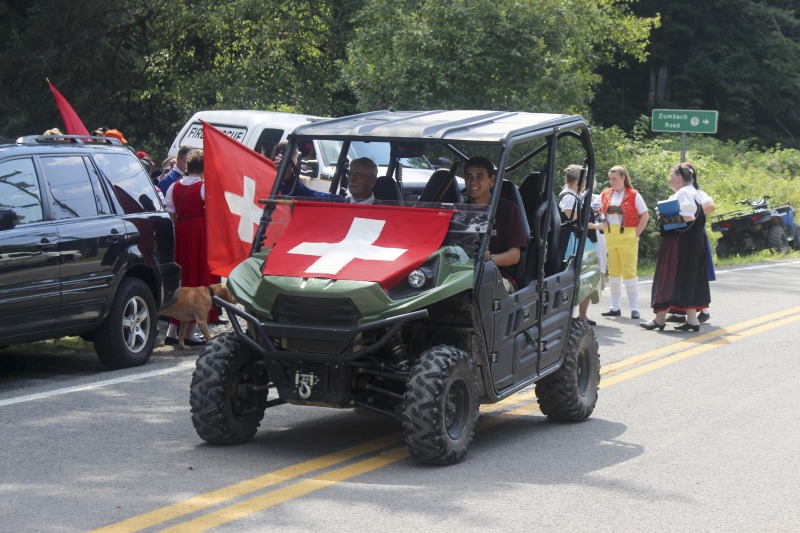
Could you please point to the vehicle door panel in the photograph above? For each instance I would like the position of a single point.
(29, 257)
(90, 237)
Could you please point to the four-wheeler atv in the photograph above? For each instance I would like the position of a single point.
(758, 228)
(433, 338)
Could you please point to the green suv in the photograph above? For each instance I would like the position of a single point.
(439, 335)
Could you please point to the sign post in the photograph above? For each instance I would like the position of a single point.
(684, 121)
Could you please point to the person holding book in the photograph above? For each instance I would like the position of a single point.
(626, 217)
(680, 280)
(708, 207)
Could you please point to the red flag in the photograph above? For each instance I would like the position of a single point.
(357, 242)
(72, 122)
(236, 177)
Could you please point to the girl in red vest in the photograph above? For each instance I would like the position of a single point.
(626, 217)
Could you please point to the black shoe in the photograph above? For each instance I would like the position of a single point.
(635, 315)
(591, 322)
(703, 317)
(611, 312)
(652, 324)
(169, 341)
(687, 327)
(674, 317)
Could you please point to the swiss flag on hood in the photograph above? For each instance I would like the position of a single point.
(357, 242)
(236, 177)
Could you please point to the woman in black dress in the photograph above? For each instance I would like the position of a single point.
(681, 277)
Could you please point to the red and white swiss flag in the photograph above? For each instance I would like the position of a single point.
(236, 177)
(357, 242)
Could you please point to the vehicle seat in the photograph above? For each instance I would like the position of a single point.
(386, 190)
(510, 192)
(441, 187)
(531, 192)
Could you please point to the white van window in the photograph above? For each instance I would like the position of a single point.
(267, 141)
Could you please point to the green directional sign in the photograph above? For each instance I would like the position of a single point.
(684, 121)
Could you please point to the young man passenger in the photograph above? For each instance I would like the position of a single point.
(508, 233)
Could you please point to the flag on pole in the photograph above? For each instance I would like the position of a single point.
(236, 177)
(357, 242)
(72, 122)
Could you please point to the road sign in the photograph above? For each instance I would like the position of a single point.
(684, 121)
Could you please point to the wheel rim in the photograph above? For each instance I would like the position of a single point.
(582, 371)
(244, 399)
(456, 405)
(136, 324)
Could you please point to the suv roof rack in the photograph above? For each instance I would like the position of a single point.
(72, 139)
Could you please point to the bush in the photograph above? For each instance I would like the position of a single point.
(727, 171)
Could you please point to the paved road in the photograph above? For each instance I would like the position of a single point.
(693, 432)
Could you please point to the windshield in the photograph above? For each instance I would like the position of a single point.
(467, 226)
(378, 152)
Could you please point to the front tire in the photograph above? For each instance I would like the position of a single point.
(228, 392)
(127, 336)
(570, 393)
(777, 241)
(440, 408)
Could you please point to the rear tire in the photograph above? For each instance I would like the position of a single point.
(127, 336)
(723, 247)
(795, 243)
(440, 409)
(776, 238)
(570, 393)
(228, 392)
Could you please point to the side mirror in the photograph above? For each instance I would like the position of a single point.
(309, 167)
(8, 219)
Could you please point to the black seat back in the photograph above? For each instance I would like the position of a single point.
(441, 187)
(510, 192)
(386, 190)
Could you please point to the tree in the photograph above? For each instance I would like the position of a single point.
(493, 54)
(740, 57)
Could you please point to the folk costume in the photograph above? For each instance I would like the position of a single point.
(622, 211)
(188, 198)
(681, 277)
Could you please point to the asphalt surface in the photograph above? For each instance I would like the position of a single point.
(692, 432)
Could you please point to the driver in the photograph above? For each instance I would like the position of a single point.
(508, 232)
(362, 175)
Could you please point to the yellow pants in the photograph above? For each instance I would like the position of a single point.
(623, 252)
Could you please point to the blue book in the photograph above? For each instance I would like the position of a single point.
(670, 208)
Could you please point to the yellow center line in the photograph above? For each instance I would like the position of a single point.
(691, 348)
(694, 341)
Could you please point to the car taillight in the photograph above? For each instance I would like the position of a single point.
(755, 218)
(725, 225)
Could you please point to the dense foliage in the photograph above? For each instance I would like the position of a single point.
(144, 66)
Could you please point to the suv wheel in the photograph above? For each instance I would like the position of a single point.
(570, 393)
(776, 238)
(440, 407)
(229, 393)
(128, 334)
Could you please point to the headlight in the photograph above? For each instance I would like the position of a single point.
(417, 279)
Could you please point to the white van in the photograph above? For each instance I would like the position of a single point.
(262, 130)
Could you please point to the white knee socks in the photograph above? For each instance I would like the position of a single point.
(632, 288)
(615, 284)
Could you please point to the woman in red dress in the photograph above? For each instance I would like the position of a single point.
(185, 201)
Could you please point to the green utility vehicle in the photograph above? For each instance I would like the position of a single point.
(440, 335)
